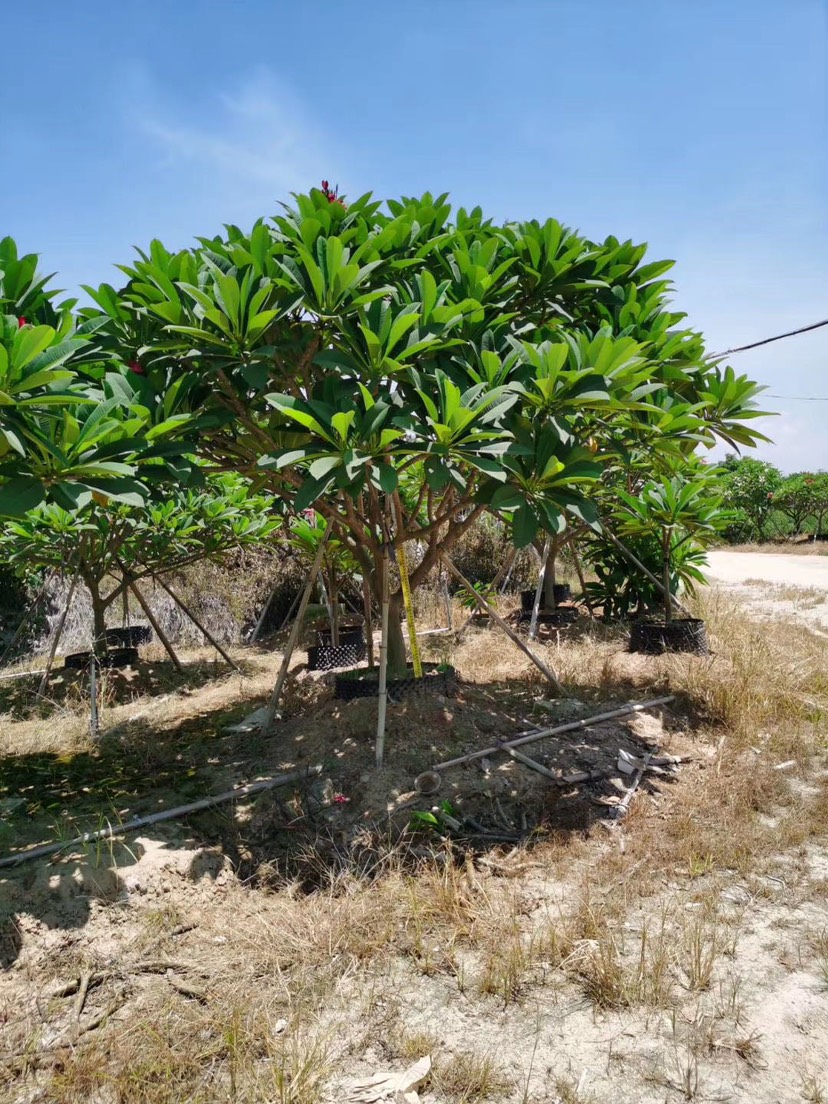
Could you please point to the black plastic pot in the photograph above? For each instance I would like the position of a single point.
(349, 634)
(131, 637)
(364, 683)
(563, 592)
(115, 657)
(685, 634)
(324, 657)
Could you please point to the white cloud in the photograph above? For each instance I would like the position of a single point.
(243, 151)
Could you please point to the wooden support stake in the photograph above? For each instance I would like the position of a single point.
(382, 699)
(153, 620)
(533, 764)
(512, 560)
(296, 628)
(94, 723)
(547, 672)
(254, 636)
(121, 829)
(533, 624)
(212, 640)
(53, 650)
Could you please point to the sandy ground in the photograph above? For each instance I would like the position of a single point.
(786, 568)
(784, 585)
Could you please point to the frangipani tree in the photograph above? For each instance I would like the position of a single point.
(677, 512)
(342, 350)
(110, 544)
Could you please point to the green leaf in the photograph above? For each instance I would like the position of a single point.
(20, 495)
(524, 526)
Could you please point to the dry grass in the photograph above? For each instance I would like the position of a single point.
(789, 548)
(635, 919)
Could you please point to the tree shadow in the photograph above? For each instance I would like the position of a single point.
(351, 815)
(20, 698)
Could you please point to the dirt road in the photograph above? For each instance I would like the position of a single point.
(785, 568)
(771, 585)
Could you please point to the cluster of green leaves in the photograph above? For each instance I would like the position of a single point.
(338, 348)
(769, 505)
(402, 369)
(162, 534)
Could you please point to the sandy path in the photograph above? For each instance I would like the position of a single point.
(784, 585)
(786, 568)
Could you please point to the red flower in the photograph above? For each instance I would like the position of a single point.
(135, 367)
(21, 322)
(332, 194)
(340, 799)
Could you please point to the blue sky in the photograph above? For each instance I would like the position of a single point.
(698, 126)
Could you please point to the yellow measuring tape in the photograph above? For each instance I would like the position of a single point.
(409, 612)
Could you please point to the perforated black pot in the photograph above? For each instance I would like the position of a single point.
(685, 634)
(131, 637)
(115, 657)
(325, 657)
(364, 683)
(350, 634)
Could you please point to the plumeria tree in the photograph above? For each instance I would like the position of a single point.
(680, 514)
(111, 544)
(403, 372)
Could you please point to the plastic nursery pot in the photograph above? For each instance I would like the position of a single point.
(325, 657)
(563, 615)
(364, 683)
(115, 657)
(131, 637)
(685, 634)
(348, 634)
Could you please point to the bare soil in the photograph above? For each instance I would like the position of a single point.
(275, 949)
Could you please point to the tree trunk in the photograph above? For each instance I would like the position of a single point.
(397, 665)
(549, 577)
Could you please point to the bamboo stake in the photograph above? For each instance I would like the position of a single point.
(26, 618)
(58, 631)
(166, 814)
(159, 632)
(533, 764)
(290, 612)
(635, 560)
(273, 702)
(540, 734)
(512, 562)
(94, 725)
(198, 624)
(383, 665)
(533, 624)
(487, 607)
(261, 619)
